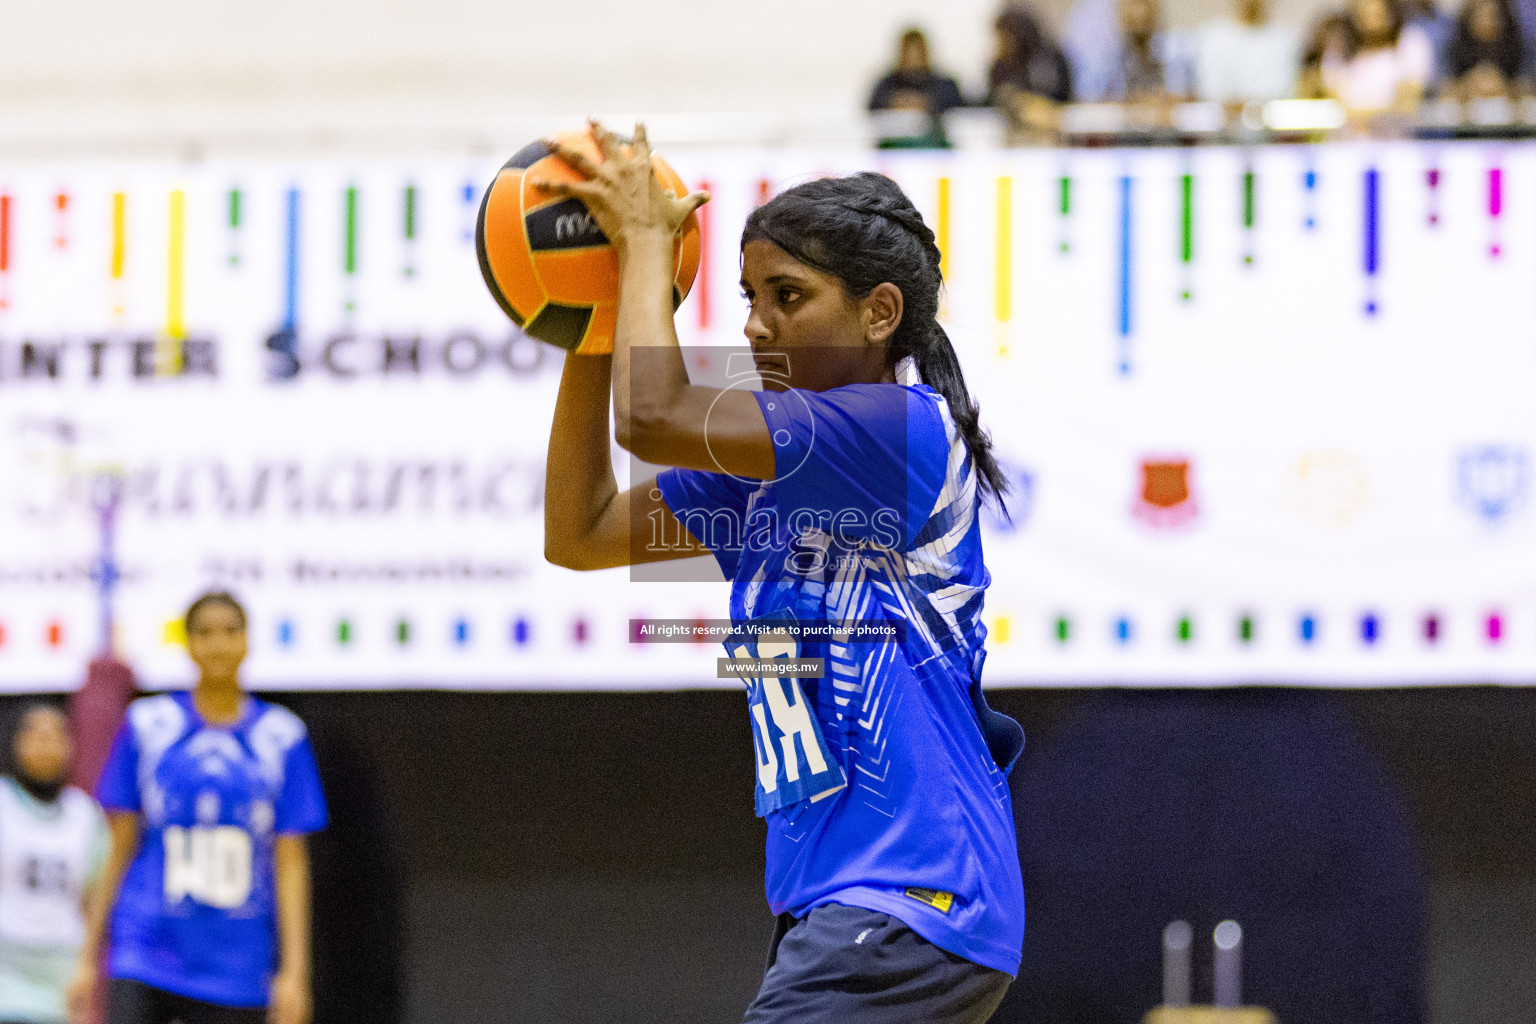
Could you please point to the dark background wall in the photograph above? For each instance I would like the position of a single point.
(551, 857)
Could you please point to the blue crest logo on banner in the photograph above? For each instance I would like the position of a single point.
(1493, 481)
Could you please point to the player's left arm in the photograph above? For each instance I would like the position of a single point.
(93, 892)
(659, 415)
(291, 999)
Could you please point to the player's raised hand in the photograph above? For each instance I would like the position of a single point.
(621, 189)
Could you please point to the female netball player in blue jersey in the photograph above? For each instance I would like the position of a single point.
(209, 794)
(835, 495)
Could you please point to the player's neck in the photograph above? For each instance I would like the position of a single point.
(218, 700)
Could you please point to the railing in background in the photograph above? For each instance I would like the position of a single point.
(377, 130)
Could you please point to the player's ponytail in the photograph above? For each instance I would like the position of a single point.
(863, 230)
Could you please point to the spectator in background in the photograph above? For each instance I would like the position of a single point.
(1391, 68)
(1246, 58)
(1028, 61)
(1140, 73)
(1525, 19)
(1029, 78)
(1333, 44)
(1486, 55)
(1438, 26)
(53, 843)
(913, 84)
(1088, 38)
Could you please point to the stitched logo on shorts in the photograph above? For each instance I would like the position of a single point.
(940, 901)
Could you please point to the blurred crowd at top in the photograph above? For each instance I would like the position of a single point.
(1380, 59)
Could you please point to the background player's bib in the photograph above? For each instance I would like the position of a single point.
(794, 763)
(46, 856)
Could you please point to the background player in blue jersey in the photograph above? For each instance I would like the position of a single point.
(837, 494)
(209, 794)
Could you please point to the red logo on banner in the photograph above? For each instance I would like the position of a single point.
(1167, 500)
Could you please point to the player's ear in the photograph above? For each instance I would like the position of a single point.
(882, 309)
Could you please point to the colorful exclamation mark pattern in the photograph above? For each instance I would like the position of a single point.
(1187, 232)
(168, 348)
(1432, 179)
(764, 191)
(234, 213)
(1309, 186)
(1064, 212)
(1125, 274)
(469, 211)
(1495, 209)
(119, 248)
(61, 220)
(702, 282)
(1372, 245)
(410, 230)
(1002, 297)
(284, 342)
(291, 269)
(1248, 216)
(349, 248)
(941, 225)
(5, 251)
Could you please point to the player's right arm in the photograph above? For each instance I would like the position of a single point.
(124, 828)
(588, 522)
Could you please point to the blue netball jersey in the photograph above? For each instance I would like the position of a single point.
(884, 783)
(197, 914)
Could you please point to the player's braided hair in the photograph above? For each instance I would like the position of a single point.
(863, 230)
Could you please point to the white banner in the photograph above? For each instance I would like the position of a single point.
(1267, 413)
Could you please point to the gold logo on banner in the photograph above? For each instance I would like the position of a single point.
(1331, 487)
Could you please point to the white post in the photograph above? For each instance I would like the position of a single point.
(1228, 973)
(1177, 939)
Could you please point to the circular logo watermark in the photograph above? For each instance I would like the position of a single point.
(744, 380)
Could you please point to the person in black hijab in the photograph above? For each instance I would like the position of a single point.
(1486, 54)
(913, 84)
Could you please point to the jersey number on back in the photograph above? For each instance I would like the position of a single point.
(210, 865)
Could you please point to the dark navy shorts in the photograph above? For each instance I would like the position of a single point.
(847, 965)
(133, 1002)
